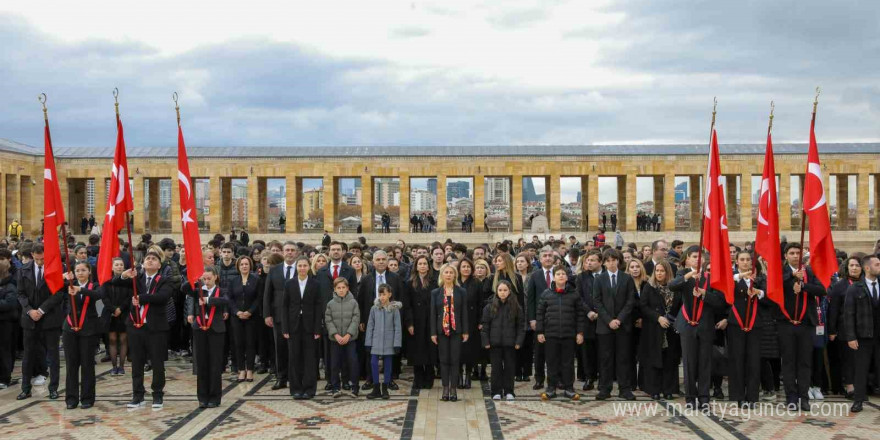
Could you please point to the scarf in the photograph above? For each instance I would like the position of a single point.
(667, 296)
(448, 313)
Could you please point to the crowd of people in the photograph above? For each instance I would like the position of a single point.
(552, 313)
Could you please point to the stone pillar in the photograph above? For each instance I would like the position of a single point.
(627, 218)
(554, 202)
(153, 212)
(138, 200)
(731, 206)
(252, 204)
(668, 202)
(516, 199)
(100, 200)
(658, 194)
(842, 201)
(37, 197)
(592, 205)
(585, 189)
(745, 208)
(441, 204)
(876, 200)
(214, 218)
(696, 198)
(262, 204)
(404, 203)
(862, 213)
(225, 205)
(784, 201)
(293, 217)
(5, 219)
(28, 212)
(479, 202)
(367, 203)
(175, 216)
(330, 184)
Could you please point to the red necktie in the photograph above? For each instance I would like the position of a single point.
(335, 271)
(548, 277)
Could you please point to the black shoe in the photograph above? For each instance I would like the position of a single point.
(213, 404)
(147, 367)
(850, 395)
(856, 406)
(655, 396)
(475, 375)
(589, 385)
(668, 396)
(483, 375)
(704, 403)
(570, 394)
(158, 402)
(297, 396)
(603, 395)
(628, 395)
(136, 402)
(53, 394)
(262, 370)
(329, 386)
(467, 383)
(385, 394)
(87, 405)
(279, 385)
(690, 404)
(203, 405)
(24, 395)
(453, 396)
(805, 404)
(394, 387)
(367, 386)
(71, 405)
(718, 394)
(538, 385)
(548, 395)
(445, 396)
(375, 393)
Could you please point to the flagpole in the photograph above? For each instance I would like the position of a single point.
(803, 208)
(137, 316)
(703, 210)
(196, 286)
(43, 98)
(754, 265)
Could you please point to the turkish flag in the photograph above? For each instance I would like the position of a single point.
(823, 259)
(190, 227)
(53, 217)
(119, 203)
(715, 238)
(767, 237)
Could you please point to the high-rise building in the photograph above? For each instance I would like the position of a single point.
(432, 186)
(421, 201)
(458, 190)
(529, 193)
(386, 192)
(497, 190)
(681, 192)
(312, 200)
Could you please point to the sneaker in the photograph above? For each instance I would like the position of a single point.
(811, 392)
(120, 371)
(39, 380)
(158, 403)
(768, 396)
(509, 397)
(136, 403)
(497, 397)
(335, 393)
(817, 395)
(4, 386)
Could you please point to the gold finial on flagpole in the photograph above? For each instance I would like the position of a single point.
(816, 100)
(772, 107)
(42, 98)
(714, 107)
(116, 98)
(176, 107)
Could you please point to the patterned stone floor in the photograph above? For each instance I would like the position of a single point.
(253, 410)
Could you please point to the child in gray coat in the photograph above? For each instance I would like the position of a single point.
(383, 338)
(341, 317)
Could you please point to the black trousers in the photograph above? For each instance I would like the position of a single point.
(841, 362)
(503, 361)
(282, 358)
(796, 345)
(244, 332)
(36, 343)
(696, 355)
(450, 358)
(560, 363)
(302, 349)
(869, 350)
(615, 359)
(744, 363)
(79, 354)
(144, 345)
(266, 344)
(344, 354)
(7, 350)
(588, 359)
(209, 380)
(537, 358)
(664, 379)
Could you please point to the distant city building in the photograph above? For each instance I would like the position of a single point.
(458, 190)
(421, 200)
(387, 192)
(497, 190)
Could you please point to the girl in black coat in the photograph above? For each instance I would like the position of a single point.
(503, 332)
(80, 335)
(449, 327)
(245, 297)
(660, 350)
(421, 353)
(207, 314)
(117, 301)
(505, 270)
(471, 350)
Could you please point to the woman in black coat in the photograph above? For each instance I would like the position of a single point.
(449, 327)
(245, 297)
(117, 301)
(421, 353)
(80, 334)
(660, 348)
(471, 350)
(841, 358)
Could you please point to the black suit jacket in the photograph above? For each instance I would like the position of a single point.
(713, 308)
(813, 290)
(367, 292)
(614, 302)
(92, 324)
(31, 297)
(536, 284)
(303, 311)
(461, 311)
(157, 298)
(858, 313)
(325, 278)
(216, 302)
(584, 283)
(273, 295)
(740, 302)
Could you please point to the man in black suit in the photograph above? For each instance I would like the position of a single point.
(41, 320)
(368, 291)
(273, 311)
(304, 306)
(796, 323)
(659, 252)
(539, 281)
(326, 275)
(147, 327)
(614, 296)
(861, 326)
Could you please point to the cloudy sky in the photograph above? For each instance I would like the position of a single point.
(424, 73)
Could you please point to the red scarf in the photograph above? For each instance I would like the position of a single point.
(146, 307)
(82, 315)
(448, 313)
(797, 297)
(200, 318)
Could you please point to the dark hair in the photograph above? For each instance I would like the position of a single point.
(513, 308)
(676, 243)
(792, 245)
(612, 254)
(867, 259)
(5, 254)
(384, 287)
(414, 278)
(38, 249)
(242, 258)
(341, 280)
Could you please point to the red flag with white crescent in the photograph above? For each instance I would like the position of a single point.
(189, 226)
(767, 236)
(53, 217)
(119, 202)
(715, 238)
(823, 259)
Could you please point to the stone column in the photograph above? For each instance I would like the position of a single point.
(696, 198)
(585, 189)
(214, 205)
(862, 214)
(784, 201)
(225, 205)
(37, 210)
(367, 203)
(731, 205)
(330, 203)
(154, 204)
(516, 202)
(627, 217)
(592, 205)
(140, 217)
(876, 200)
(100, 200)
(263, 204)
(404, 203)
(3, 217)
(28, 212)
(668, 202)
(554, 202)
(293, 217)
(441, 204)
(479, 202)
(252, 204)
(745, 209)
(842, 201)
(175, 216)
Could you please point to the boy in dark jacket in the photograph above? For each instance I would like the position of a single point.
(503, 332)
(561, 316)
